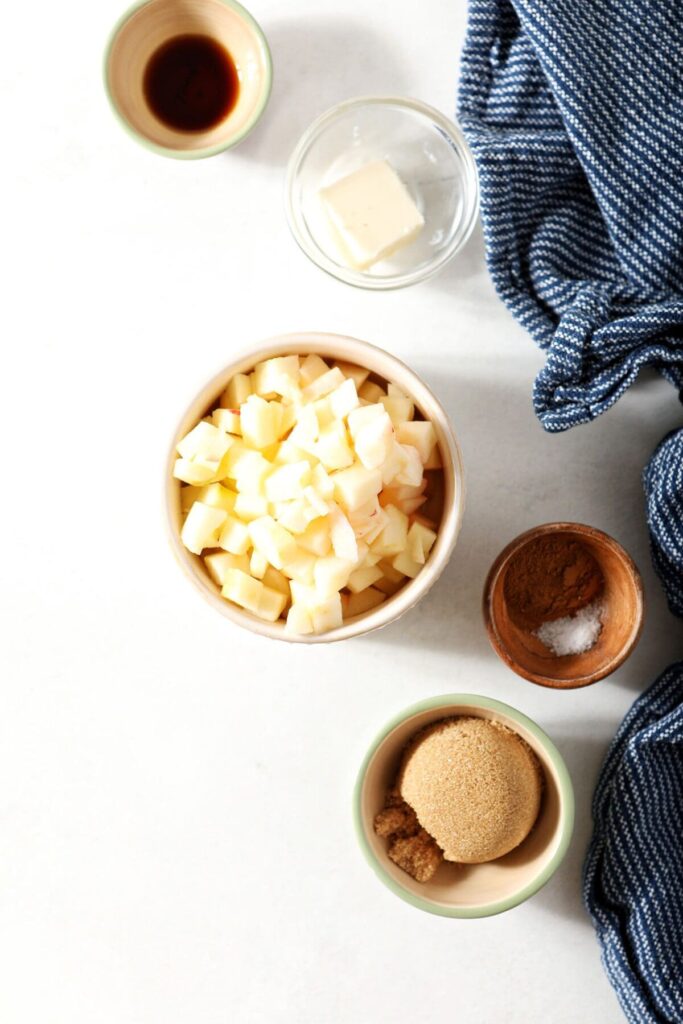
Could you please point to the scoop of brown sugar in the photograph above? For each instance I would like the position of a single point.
(475, 786)
(410, 846)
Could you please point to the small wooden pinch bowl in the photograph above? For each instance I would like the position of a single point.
(622, 616)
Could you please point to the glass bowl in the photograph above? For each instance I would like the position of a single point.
(427, 151)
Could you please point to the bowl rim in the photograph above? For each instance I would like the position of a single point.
(207, 151)
(357, 278)
(495, 638)
(567, 804)
(354, 350)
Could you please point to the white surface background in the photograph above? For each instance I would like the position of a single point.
(176, 843)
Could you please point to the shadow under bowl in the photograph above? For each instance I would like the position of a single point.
(622, 616)
(468, 890)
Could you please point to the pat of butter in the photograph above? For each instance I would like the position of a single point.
(373, 213)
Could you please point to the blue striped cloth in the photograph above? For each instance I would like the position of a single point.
(574, 112)
(633, 876)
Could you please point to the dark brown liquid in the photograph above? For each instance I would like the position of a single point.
(191, 83)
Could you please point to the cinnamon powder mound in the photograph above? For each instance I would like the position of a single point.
(550, 578)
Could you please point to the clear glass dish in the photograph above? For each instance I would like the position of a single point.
(427, 151)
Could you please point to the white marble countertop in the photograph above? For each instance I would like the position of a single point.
(177, 845)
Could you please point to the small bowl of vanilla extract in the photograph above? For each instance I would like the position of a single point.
(188, 79)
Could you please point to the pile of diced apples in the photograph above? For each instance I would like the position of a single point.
(302, 491)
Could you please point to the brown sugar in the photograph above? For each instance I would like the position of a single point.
(410, 846)
(550, 578)
(475, 787)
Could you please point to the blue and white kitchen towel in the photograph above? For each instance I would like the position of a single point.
(574, 112)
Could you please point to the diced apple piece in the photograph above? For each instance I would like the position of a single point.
(323, 385)
(250, 506)
(202, 527)
(234, 536)
(298, 620)
(323, 411)
(397, 493)
(218, 563)
(393, 538)
(271, 605)
(343, 400)
(357, 374)
(228, 420)
(193, 472)
(287, 420)
(312, 368)
(237, 392)
(359, 418)
(260, 421)
(327, 615)
(407, 565)
(412, 471)
(364, 601)
(299, 565)
(331, 574)
(322, 481)
(278, 376)
(421, 540)
(274, 579)
(356, 486)
(389, 587)
(290, 452)
(315, 501)
(307, 429)
(399, 409)
(434, 460)
(373, 442)
(204, 443)
(288, 482)
(243, 589)
(211, 494)
(371, 392)
(250, 473)
(333, 448)
(363, 577)
(305, 595)
(316, 538)
(258, 565)
(294, 515)
(393, 463)
(272, 540)
(342, 536)
(411, 505)
(419, 434)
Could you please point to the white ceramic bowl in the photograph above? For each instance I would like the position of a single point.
(467, 890)
(427, 151)
(385, 366)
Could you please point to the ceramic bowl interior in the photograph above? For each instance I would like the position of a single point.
(622, 617)
(468, 890)
(145, 28)
(445, 505)
(427, 151)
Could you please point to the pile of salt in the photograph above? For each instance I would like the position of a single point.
(573, 634)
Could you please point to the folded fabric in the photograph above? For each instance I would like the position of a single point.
(663, 481)
(574, 112)
(633, 876)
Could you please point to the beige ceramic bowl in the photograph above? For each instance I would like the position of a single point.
(386, 367)
(143, 29)
(467, 890)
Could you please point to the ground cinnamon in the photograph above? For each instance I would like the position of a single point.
(549, 578)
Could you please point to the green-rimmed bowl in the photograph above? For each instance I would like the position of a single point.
(144, 28)
(468, 890)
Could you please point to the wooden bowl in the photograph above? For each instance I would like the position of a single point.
(622, 618)
(467, 890)
(448, 502)
(149, 24)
